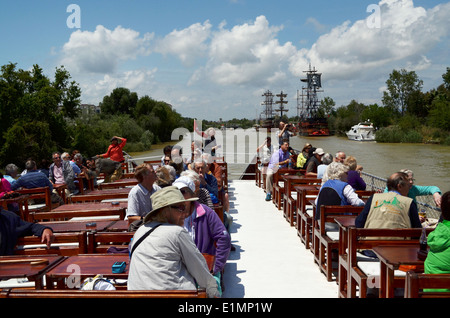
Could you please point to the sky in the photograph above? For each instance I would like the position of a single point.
(214, 59)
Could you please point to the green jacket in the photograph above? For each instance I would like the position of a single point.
(438, 259)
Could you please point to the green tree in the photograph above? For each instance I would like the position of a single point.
(379, 116)
(402, 90)
(32, 110)
(120, 101)
(327, 107)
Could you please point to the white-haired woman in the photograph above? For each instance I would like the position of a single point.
(336, 190)
(203, 194)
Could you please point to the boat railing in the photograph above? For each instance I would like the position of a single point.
(425, 202)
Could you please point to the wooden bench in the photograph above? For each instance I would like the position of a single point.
(304, 223)
(94, 197)
(289, 202)
(64, 244)
(67, 215)
(365, 239)
(71, 293)
(100, 242)
(42, 194)
(278, 187)
(122, 183)
(415, 283)
(324, 241)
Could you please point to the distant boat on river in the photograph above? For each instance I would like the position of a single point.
(362, 132)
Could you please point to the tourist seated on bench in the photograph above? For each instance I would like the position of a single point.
(438, 256)
(336, 191)
(205, 227)
(392, 209)
(167, 258)
(12, 227)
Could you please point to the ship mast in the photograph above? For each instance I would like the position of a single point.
(310, 101)
(268, 109)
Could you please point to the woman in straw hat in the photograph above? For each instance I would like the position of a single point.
(167, 258)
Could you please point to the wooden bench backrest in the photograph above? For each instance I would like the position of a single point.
(416, 283)
(99, 242)
(302, 181)
(365, 193)
(65, 215)
(79, 246)
(97, 197)
(329, 212)
(69, 293)
(39, 193)
(302, 199)
(363, 239)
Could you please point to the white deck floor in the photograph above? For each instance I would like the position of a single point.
(270, 261)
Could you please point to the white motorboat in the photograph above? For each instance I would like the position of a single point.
(362, 132)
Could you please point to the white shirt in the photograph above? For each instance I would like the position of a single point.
(139, 202)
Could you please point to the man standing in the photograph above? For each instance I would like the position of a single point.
(139, 203)
(280, 159)
(283, 133)
(392, 209)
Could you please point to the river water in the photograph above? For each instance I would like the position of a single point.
(430, 163)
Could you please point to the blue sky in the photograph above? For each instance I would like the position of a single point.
(214, 59)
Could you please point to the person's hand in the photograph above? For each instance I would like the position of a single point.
(47, 237)
(437, 199)
(202, 179)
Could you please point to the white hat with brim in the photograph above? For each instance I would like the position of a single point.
(165, 197)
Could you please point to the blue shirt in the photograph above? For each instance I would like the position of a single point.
(212, 187)
(277, 157)
(32, 179)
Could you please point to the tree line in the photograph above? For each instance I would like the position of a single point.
(39, 116)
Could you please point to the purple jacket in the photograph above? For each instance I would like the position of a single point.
(211, 236)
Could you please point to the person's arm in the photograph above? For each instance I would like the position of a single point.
(223, 241)
(6, 187)
(414, 216)
(352, 197)
(70, 177)
(196, 264)
(123, 142)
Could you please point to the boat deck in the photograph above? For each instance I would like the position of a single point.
(270, 261)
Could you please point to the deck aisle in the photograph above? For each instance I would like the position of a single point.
(270, 261)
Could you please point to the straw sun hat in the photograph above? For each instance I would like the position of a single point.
(165, 197)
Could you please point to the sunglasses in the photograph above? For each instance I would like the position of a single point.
(180, 207)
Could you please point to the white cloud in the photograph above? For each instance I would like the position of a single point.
(246, 54)
(406, 34)
(187, 44)
(102, 50)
